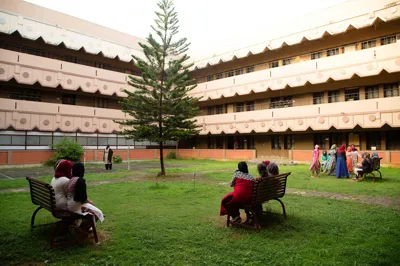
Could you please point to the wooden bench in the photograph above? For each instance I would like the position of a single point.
(375, 167)
(42, 194)
(264, 190)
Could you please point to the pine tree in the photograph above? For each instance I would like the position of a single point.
(159, 105)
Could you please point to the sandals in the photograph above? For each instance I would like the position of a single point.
(236, 220)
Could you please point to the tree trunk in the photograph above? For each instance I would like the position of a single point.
(161, 146)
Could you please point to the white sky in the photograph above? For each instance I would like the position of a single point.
(212, 26)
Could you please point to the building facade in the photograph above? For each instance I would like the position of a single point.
(337, 82)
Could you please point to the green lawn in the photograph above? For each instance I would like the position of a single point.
(222, 172)
(173, 224)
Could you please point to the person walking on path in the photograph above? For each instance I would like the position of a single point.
(341, 167)
(108, 153)
(314, 166)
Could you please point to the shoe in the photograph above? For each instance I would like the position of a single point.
(236, 220)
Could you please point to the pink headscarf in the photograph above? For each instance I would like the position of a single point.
(266, 162)
(316, 147)
(64, 169)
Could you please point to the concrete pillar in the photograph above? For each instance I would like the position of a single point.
(9, 157)
(290, 155)
(224, 154)
(341, 95)
(325, 97)
(381, 91)
(362, 93)
(383, 140)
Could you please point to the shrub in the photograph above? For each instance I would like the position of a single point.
(171, 155)
(66, 149)
(117, 159)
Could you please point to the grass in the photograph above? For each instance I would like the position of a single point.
(172, 224)
(222, 172)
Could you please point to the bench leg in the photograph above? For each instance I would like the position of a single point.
(227, 220)
(96, 239)
(283, 207)
(33, 217)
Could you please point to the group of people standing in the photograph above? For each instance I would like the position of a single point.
(242, 183)
(70, 192)
(341, 162)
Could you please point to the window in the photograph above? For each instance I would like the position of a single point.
(281, 102)
(249, 69)
(250, 142)
(333, 96)
(388, 40)
(239, 107)
(238, 72)
(210, 78)
(38, 140)
(320, 140)
(219, 76)
(316, 55)
(211, 143)
(287, 61)
(229, 74)
(373, 140)
(371, 92)
(275, 142)
(219, 109)
(26, 94)
(331, 52)
(368, 44)
(69, 99)
(352, 94)
(288, 142)
(101, 102)
(210, 110)
(392, 140)
(391, 90)
(219, 142)
(273, 64)
(250, 106)
(318, 97)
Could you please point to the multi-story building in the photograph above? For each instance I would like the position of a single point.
(334, 82)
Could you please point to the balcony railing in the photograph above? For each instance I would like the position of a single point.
(339, 67)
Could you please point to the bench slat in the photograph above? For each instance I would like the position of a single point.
(41, 194)
(42, 199)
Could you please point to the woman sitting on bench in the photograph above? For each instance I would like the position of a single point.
(365, 167)
(60, 183)
(77, 196)
(242, 183)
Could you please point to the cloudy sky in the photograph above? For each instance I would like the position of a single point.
(212, 26)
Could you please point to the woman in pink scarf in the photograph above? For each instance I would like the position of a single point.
(314, 166)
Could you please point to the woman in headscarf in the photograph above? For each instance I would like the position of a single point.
(354, 156)
(108, 153)
(365, 167)
(60, 183)
(331, 165)
(78, 201)
(242, 183)
(314, 166)
(341, 167)
(349, 159)
(324, 160)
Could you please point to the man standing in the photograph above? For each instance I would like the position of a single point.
(108, 153)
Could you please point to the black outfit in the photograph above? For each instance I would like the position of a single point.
(78, 169)
(109, 159)
(366, 166)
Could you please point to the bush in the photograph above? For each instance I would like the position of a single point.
(66, 149)
(117, 159)
(171, 155)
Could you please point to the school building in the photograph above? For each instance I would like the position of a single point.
(333, 81)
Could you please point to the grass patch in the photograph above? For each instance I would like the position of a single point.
(22, 182)
(176, 225)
